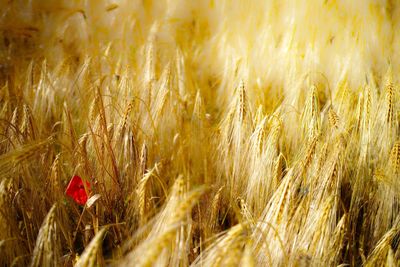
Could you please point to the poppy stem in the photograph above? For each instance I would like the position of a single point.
(77, 226)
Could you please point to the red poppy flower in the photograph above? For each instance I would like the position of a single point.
(76, 190)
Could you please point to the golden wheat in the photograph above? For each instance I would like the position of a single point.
(203, 133)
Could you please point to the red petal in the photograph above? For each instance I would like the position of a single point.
(76, 190)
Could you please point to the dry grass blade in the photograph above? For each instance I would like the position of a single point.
(91, 256)
(158, 246)
(223, 250)
(47, 250)
(395, 157)
(11, 159)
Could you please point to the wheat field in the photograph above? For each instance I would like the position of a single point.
(203, 133)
